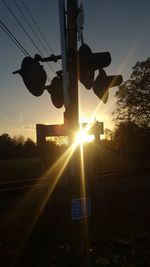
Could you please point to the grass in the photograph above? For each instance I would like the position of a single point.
(19, 169)
(123, 163)
(26, 168)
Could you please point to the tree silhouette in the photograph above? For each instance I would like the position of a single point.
(16, 147)
(124, 136)
(133, 97)
(6, 145)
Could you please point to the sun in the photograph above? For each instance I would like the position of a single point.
(83, 137)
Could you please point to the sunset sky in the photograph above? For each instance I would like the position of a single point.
(118, 26)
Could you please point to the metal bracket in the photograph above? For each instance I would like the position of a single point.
(47, 59)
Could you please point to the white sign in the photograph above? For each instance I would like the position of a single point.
(80, 208)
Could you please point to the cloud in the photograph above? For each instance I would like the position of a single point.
(20, 118)
(30, 127)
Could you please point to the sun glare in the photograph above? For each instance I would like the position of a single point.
(83, 137)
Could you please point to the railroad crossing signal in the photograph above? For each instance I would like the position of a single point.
(33, 75)
(90, 62)
(55, 89)
(103, 82)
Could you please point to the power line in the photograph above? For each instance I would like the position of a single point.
(37, 26)
(13, 38)
(51, 22)
(49, 18)
(19, 23)
(34, 21)
(16, 42)
(24, 30)
(34, 34)
(29, 24)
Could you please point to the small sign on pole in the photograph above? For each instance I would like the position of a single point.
(80, 208)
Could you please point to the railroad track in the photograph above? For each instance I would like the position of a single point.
(21, 184)
(120, 172)
(105, 175)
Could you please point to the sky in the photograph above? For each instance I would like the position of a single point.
(118, 26)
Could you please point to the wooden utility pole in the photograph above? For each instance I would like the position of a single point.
(71, 113)
(78, 237)
(68, 32)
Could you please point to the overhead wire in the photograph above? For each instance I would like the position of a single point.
(19, 23)
(34, 21)
(37, 26)
(33, 32)
(48, 16)
(24, 30)
(13, 38)
(49, 19)
(29, 24)
(15, 41)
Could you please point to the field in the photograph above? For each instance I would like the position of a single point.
(118, 229)
(19, 169)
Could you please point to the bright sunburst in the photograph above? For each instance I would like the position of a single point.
(82, 137)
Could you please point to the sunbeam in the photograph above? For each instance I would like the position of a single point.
(26, 209)
(85, 236)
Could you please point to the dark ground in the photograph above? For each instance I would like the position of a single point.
(118, 229)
